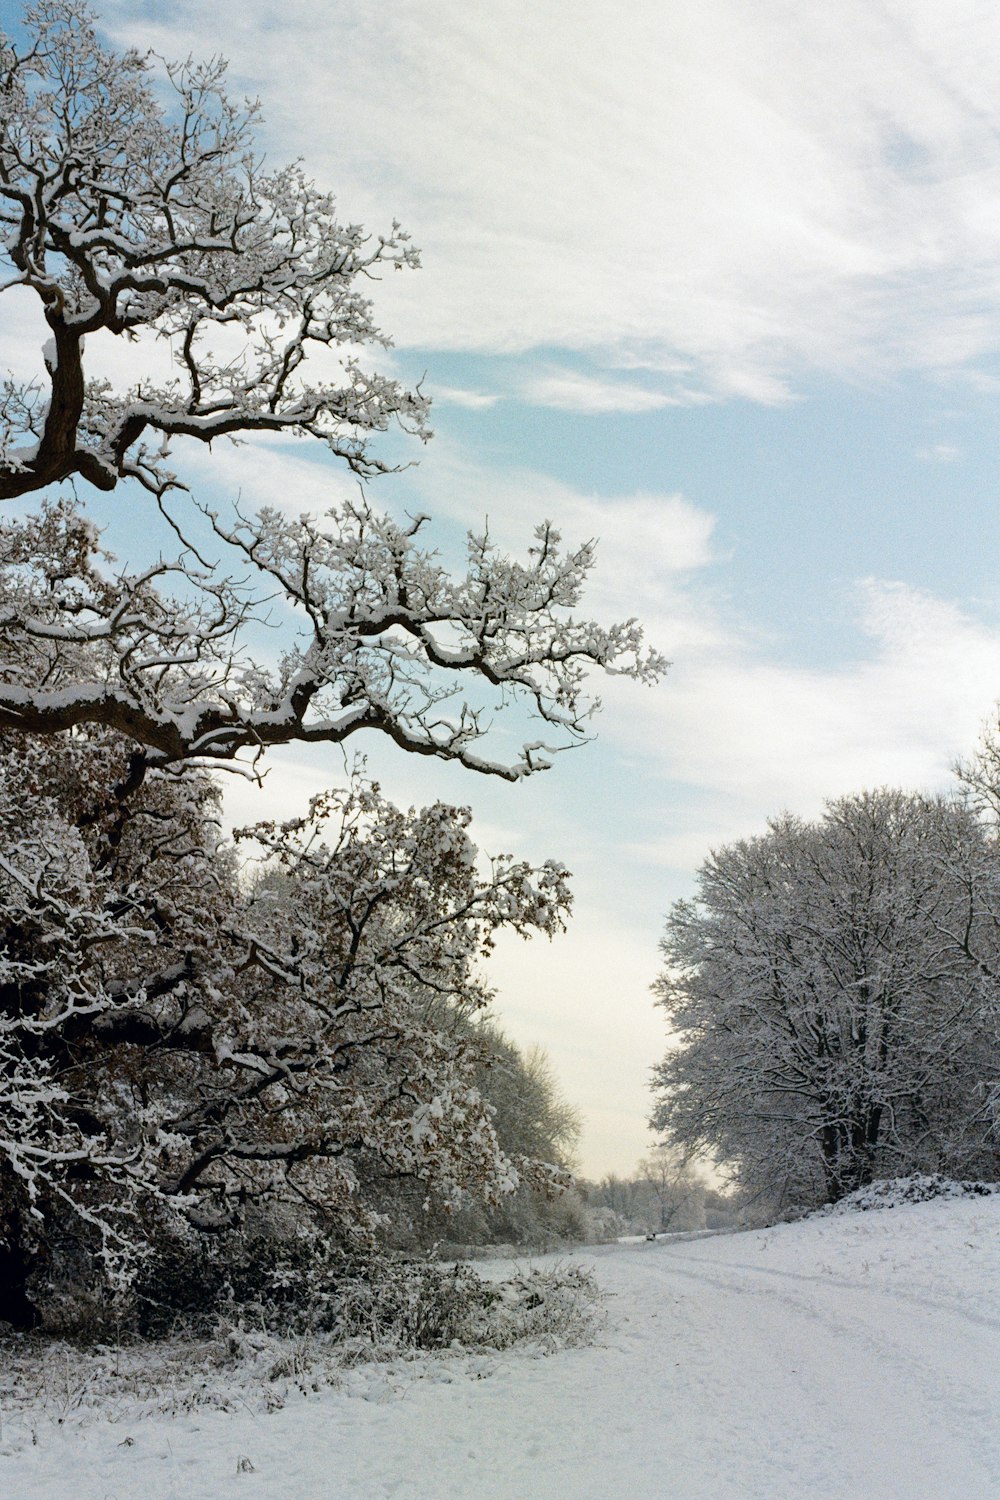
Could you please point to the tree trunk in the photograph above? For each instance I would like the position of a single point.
(16, 1264)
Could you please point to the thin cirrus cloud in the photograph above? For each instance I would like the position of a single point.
(560, 388)
(939, 453)
(569, 390)
(762, 191)
(459, 396)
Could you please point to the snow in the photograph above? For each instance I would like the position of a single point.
(834, 1359)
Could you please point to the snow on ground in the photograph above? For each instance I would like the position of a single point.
(855, 1357)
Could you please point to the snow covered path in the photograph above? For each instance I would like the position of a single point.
(854, 1358)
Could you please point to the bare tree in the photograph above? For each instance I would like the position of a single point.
(834, 1009)
(678, 1189)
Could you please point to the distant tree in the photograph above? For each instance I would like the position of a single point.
(678, 1189)
(531, 1116)
(663, 1193)
(535, 1129)
(834, 990)
(976, 872)
(628, 1197)
(722, 1210)
(533, 1120)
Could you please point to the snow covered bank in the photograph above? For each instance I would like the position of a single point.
(855, 1357)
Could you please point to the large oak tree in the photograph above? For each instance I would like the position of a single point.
(172, 1048)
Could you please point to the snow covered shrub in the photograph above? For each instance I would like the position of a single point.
(241, 1365)
(415, 1305)
(289, 1283)
(918, 1188)
(554, 1308)
(377, 1306)
(604, 1225)
(427, 1305)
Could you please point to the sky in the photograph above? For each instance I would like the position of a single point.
(720, 286)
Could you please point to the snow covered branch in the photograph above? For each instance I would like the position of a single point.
(176, 1048)
(386, 641)
(126, 220)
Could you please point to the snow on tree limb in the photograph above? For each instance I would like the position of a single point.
(125, 219)
(388, 641)
(174, 1044)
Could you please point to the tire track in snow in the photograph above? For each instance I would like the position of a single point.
(739, 1368)
(831, 1279)
(938, 1401)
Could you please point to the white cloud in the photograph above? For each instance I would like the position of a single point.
(566, 390)
(755, 189)
(266, 471)
(23, 331)
(746, 728)
(754, 734)
(736, 721)
(585, 999)
(473, 400)
(939, 453)
(649, 543)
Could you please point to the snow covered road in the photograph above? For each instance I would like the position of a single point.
(854, 1358)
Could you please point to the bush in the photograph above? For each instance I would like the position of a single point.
(365, 1306)
(427, 1305)
(415, 1305)
(283, 1283)
(402, 1310)
(895, 1192)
